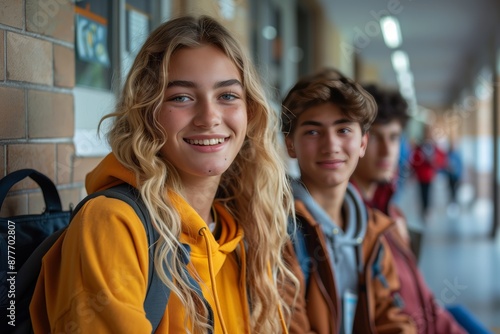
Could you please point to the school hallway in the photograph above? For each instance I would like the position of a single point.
(459, 260)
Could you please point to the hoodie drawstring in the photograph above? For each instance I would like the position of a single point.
(214, 287)
(282, 320)
(243, 281)
(212, 278)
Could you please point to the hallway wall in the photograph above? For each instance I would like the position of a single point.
(36, 82)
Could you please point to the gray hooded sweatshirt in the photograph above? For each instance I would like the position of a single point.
(344, 246)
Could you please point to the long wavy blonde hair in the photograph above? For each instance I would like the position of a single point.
(254, 188)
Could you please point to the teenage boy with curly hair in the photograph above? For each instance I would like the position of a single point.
(340, 255)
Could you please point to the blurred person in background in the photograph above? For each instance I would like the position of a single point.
(454, 170)
(427, 159)
(375, 177)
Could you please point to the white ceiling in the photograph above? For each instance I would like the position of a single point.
(446, 41)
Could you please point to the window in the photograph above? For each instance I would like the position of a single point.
(108, 35)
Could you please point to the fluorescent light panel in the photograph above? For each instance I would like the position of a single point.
(400, 61)
(391, 31)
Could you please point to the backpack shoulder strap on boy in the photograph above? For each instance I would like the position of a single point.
(157, 294)
(296, 232)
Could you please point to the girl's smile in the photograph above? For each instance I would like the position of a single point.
(204, 114)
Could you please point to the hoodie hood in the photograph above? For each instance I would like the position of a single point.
(353, 209)
(344, 246)
(209, 258)
(108, 173)
(192, 227)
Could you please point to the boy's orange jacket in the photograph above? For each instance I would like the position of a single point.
(318, 309)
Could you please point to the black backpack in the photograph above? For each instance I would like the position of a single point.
(17, 288)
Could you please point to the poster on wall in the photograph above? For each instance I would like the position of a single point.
(91, 41)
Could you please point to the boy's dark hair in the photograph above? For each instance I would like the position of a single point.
(328, 86)
(391, 105)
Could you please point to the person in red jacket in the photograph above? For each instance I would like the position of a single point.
(374, 177)
(426, 160)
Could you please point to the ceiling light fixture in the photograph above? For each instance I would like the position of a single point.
(391, 31)
(400, 61)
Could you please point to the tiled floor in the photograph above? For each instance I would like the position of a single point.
(459, 261)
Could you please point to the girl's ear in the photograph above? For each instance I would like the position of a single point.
(364, 143)
(290, 147)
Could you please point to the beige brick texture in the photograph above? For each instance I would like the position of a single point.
(50, 115)
(29, 59)
(12, 113)
(64, 66)
(33, 202)
(37, 156)
(65, 155)
(11, 13)
(83, 192)
(54, 18)
(36, 204)
(14, 206)
(37, 116)
(82, 166)
(70, 197)
(2, 56)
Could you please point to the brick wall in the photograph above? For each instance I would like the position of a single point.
(37, 76)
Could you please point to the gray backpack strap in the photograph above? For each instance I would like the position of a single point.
(296, 233)
(158, 293)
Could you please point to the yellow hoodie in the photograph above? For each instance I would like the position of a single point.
(94, 280)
